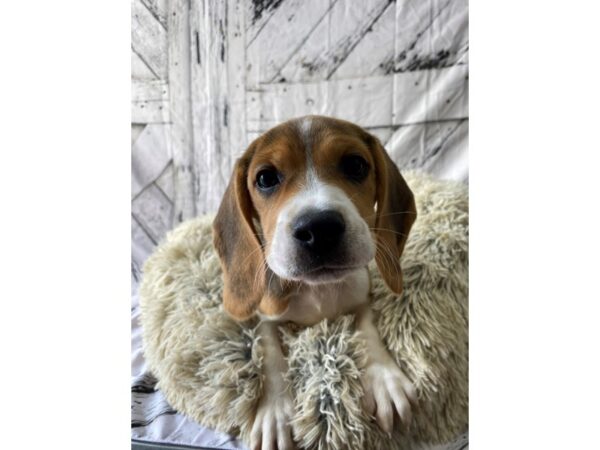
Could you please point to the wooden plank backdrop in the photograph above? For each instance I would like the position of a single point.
(208, 76)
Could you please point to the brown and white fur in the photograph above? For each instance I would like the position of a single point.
(310, 203)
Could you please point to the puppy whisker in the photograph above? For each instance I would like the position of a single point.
(260, 247)
(389, 214)
(393, 266)
(388, 230)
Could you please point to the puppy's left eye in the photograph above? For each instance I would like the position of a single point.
(354, 167)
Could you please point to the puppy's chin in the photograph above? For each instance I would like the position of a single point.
(327, 275)
(320, 276)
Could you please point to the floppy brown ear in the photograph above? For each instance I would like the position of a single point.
(396, 213)
(238, 246)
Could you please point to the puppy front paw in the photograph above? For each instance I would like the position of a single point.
(271, 429)
(387, 389)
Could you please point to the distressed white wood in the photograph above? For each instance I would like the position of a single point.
(142, 244)
(431, 95)
(257, 14)
(154, 212)
(181, 137)
(166, 183)
(236, 83)
(429, 34)
(376, 45)
(149, 39)
(286, 31)
(411, 35)
(202, 103)
(420, 96)
(418, 146)
(207, 72)
(150, 111)
(218, 103)
(136, 130)
(158, 8)
(149, 90)
(452, 161)
(150, 101)
(334, 39)
(150, 155)
(139, 69)
(278, 102)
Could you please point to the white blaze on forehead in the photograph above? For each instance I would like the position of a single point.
(305, 127)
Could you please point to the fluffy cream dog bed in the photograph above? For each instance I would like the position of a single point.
(209, 367)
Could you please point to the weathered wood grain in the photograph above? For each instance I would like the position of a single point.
(334, 39)
(422, 146)
(150, 156)
(165, 181)
(181, 136)
(150, 111)
(235, 114)
(158, 8)
(257, 13)
(431, 95)
(452, 160)
(376, 45)
(149, 39)
(153, 211)
(149, 101)
(284, 34)
(429, 35)
(278, 102)
(379, 101)
(142, 245)
(218, 102)
(411, 35)
(139, 69)
(208, 85)
(136, 130)
(149, 90)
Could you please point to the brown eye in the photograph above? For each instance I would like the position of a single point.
(267, 179)
(355, 167)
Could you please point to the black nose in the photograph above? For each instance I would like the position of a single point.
(320, 231)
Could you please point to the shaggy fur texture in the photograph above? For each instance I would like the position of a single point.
(209, 366)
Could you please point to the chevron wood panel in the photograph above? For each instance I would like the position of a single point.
(152, 175)
(149, 39)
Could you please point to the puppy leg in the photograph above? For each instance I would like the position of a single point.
(271, 429)
(386, 386)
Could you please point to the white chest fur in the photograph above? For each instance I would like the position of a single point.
(312, 304)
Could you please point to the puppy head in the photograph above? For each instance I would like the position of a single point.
(310, 201)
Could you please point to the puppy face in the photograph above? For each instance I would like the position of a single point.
(310, 201)
(313, 187)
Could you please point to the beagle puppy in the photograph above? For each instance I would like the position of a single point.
(310, 203)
